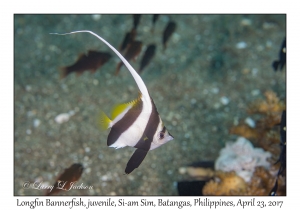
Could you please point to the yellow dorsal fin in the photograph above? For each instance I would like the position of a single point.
(103, 121)
(119, 108)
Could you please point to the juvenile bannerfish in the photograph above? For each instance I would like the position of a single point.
(135, 124)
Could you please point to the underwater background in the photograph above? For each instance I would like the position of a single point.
(213, 67)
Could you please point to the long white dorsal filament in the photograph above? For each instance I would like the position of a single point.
(135, 75)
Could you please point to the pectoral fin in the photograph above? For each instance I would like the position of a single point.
(135, 160)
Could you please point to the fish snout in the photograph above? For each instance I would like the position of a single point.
(170, 137)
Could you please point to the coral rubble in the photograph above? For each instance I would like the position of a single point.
(225, 183)
(228, 183)
(242, 158)
(254, 165)
(265, 134)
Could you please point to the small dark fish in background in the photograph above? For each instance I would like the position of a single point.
(65, 180)
(148, 55)
(169, 30)
(282, 57)
(129, 37)
(91, 61)
(282, 157)
(136, 20)
(154, 19)
(132, 51)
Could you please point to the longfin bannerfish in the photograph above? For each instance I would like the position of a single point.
(91, 61)
(134, 122)
(65, 179)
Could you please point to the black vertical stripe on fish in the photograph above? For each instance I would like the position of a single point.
(135, 160)
(144, 143)
(150, 130)
(136, 20)
(170, 28)
(123, 124)
(148, 55)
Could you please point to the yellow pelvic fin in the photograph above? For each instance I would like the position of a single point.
(103, 121)
(119, 108)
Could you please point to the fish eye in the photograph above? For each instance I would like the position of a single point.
(161, 135)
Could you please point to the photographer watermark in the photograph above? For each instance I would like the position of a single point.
(59, 185)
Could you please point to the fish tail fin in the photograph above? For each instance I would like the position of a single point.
(63, 72)
(103, 121)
